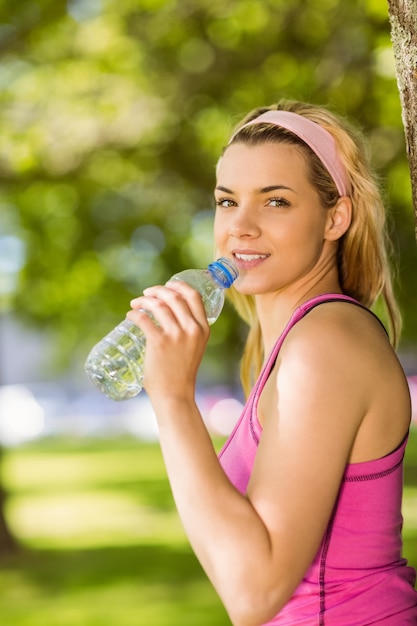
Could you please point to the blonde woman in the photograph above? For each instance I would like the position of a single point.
(298, 521)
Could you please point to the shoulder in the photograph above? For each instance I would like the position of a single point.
(341, 339)
(338, 358)
(337, 331)
(337, 348)
(325, 355)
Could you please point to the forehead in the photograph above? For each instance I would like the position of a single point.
(262, 163)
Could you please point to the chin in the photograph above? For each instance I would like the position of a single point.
(247, 290)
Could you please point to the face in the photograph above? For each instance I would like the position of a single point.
(269, 218)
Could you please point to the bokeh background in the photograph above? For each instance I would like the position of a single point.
(113, 114)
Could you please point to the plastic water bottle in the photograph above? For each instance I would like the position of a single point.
(115, 364)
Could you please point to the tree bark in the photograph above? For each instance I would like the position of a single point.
(403, 20)
(8, 543)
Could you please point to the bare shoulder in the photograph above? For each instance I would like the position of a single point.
(342, 322)
(341, 332)
(345, 348)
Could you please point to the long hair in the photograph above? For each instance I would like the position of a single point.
(364, 250)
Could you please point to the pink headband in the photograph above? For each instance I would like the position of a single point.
(315, 136)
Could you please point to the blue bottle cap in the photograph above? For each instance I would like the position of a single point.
(227, 268)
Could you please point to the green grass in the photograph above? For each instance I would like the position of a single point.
(102, 544)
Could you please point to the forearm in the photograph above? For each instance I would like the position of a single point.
(225, 531)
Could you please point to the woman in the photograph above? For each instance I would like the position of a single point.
(299, 520)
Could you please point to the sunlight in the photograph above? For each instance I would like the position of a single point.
(21, 416)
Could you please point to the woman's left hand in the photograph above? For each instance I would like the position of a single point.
(175, 345)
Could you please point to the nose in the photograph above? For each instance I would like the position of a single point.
(244, 224)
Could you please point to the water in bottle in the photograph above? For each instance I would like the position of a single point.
(115, 364)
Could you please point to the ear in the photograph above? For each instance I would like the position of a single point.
(338, 219)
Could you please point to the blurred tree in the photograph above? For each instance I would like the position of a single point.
(8, 543)
(113, 113)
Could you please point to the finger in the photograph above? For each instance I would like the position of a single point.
(150, 311)
(144, 318)
(169, 311)
(135, 303)
(183, 301)
(190, 295)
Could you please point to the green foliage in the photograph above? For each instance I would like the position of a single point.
(113, 114)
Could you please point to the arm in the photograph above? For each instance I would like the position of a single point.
(255, 549)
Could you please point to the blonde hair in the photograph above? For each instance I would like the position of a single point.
(364, 250)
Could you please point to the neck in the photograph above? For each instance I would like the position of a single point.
(275, 309)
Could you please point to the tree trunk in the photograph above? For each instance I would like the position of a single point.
(8, 543)
(403, 19)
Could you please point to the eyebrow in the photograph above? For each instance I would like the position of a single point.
(260, 191)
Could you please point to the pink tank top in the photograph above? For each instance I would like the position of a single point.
(358, 576)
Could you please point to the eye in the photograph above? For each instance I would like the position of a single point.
(225, 202)
(279, 202)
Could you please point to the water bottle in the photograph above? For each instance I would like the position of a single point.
(115, 364)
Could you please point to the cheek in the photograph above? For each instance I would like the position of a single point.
(314, 225)
(218, 229)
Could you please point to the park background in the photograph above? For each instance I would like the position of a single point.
(113, 114)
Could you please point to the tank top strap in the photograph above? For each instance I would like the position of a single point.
(298, 314)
